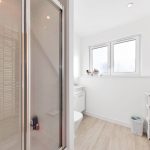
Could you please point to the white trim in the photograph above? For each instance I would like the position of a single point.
(118, 122)
(137, 57)
(114, 76)
(69, 73)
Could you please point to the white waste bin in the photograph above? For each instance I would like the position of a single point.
(137, 125)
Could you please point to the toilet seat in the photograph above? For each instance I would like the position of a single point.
(77, 116)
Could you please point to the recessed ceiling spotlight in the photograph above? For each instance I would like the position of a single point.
(0, 1)
(130, 5)
(48, 17)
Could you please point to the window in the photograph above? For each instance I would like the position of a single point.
(100, 59)
(125, 56)
(122, 57)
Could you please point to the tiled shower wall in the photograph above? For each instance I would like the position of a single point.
(9, 85)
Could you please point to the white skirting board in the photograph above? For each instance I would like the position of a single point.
(107, 119)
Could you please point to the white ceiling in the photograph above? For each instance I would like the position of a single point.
(93, 16)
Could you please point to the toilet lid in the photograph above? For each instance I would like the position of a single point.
(77, 116)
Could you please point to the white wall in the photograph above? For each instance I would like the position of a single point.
(76, 58)
(117, 98)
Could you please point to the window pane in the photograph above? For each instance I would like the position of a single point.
(124, 57)
(100, 59)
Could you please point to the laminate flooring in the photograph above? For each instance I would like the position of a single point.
(96, 134)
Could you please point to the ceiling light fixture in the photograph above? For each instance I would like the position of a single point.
(130, 5)
(48, 17)
(0, 1)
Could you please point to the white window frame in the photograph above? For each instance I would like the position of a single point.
(137, 57)
(91, 48)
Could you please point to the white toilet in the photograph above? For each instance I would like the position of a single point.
(77, 119)
(79, 105)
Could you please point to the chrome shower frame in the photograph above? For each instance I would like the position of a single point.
(26, 76)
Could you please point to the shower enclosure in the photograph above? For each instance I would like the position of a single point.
(32, 116)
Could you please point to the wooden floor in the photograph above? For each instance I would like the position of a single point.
(95, 134)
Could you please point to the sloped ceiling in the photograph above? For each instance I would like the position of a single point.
(92, 16)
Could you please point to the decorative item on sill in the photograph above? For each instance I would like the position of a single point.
(94, 72)
(88, 72)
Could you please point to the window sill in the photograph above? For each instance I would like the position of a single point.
(115, 76)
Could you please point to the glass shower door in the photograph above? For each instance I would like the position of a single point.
(46, 49)
(10, 74)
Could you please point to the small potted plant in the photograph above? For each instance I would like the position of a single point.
(94, 72)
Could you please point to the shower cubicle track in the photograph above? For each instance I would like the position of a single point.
(26, 79)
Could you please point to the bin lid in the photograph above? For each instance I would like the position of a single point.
(137, 118)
